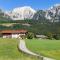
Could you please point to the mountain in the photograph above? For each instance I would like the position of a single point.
(21, 13)
(53, 13)
(39, 15)
(3, 17)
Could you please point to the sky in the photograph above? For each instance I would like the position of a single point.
(36, 4)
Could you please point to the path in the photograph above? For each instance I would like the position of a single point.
(23, 48)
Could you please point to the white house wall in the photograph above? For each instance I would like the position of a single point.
(12, 35)
(4, 36)
(15, 35)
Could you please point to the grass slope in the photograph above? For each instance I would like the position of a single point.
(9, 51)
(50, 48)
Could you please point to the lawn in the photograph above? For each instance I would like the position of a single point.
(50, 48)
(9, 50)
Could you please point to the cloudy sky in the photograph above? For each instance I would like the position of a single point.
(36, 4)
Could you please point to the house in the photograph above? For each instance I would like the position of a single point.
(12, 33)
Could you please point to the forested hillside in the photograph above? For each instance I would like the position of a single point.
(36, 27)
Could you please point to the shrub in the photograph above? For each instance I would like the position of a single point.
(57, 36)
(49, 35)
(30, 35)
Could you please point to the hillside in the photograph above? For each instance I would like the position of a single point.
(35, 26)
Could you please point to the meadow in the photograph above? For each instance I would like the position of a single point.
(9, 50)
(45, 47)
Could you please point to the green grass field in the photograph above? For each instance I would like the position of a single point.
(9, 51)
(50, 48)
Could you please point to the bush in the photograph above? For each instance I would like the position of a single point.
(30, 35)
(57, 36)
(49, 35)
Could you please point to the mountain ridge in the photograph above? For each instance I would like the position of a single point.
(26, 12)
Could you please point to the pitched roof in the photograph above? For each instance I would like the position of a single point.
(13, 31)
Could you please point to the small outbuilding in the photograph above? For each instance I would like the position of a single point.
(41, 36)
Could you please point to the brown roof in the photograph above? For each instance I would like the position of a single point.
(13, 31)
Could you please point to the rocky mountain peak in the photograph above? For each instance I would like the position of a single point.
(53, 13)
(21, 13)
